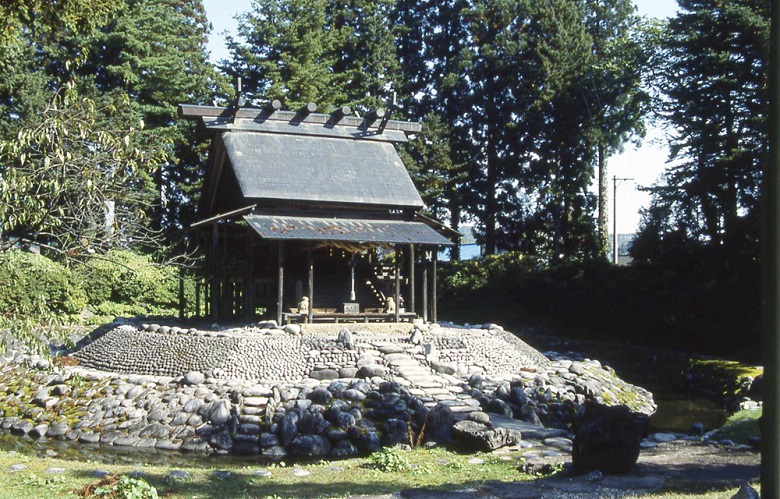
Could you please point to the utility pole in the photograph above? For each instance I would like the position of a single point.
(615, 181)
(770, 266)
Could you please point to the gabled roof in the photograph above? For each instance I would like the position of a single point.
(316, 169)
(270, 157)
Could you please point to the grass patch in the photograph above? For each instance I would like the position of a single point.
(740, 427)
(435, 468)
(728, 368)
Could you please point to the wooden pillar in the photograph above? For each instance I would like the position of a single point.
(311, 284)
(397, 283)
(181, 293)
(197, 297)
(412, 291)
(434, 304)
(280, 291)
(215, 292)
(249, 299)
(425, 289)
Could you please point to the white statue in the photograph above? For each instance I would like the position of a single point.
(303, 306)
(390, 305)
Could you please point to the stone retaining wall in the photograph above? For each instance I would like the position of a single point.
(299, 391)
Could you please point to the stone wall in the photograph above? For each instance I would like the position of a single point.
(300, 391)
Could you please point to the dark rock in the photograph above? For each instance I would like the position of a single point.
(320, 396)
(389, 387)
(504, 390)
(39, 430)
(344, 448)
(746, 492)
(313, 424)
(527, 414)
(21, 427)
(193, 444)
(89, 438)
(309, 446)
(354, 433)
(249, 428)
(439, 425)
(335, 408)
(476, 381)
(344, 420)
(337, 388)
(361, 386)
(354, 395)
(395, 432)
(58, 430)
(288, 430)
(268, 440)
(484, 438)
(369, 442)
(336, 434)
(500, 407)
(518, 396)
(221, 440)
(316, 408)
(607, 439)
(302, 404)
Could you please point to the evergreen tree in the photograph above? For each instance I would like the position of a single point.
(711, 80)
(329, 52)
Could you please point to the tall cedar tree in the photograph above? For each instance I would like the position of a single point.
(433, 49)
(530, 92)
(154, 51)
(712, 85)
(329, 52)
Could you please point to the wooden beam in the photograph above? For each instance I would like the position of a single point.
(372, 117)
(206, 113)
(306, 110)
(337, 114)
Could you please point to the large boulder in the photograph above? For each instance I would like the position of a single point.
(483, 437)
(607, 438)
(438, 424)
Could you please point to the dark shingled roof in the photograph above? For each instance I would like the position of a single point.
(319, 169)
(346, 230)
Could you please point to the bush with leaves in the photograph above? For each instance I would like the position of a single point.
(123, 282)
(31, 284)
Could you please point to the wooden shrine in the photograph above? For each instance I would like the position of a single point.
(300, 204)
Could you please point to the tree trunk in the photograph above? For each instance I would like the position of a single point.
(603, 216)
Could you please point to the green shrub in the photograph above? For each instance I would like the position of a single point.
(123, 282)
(33, 285)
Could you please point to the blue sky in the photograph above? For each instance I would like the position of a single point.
(644, 164)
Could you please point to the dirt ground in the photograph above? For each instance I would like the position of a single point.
(678, 466)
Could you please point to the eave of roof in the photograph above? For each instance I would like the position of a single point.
(345, 230)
